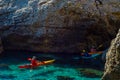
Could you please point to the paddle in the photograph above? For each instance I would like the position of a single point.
(29, 59)
(99, 46)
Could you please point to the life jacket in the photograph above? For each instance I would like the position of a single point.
(34, 62)
(93, 50)
(86, 54)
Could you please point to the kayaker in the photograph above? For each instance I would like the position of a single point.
(84, 53)
(33, 61)
(93, 49)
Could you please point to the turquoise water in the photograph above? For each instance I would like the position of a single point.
(64, 68)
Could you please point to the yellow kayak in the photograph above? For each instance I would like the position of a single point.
(45, 62)
(40, 63)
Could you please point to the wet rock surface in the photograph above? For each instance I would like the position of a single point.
(112, 65)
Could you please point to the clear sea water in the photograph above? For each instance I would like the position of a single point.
(64, 68)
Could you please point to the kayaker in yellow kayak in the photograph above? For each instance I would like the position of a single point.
(34, 61)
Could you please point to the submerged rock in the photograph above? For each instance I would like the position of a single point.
(57, 25)
(92, 73)
(112, 65)
(64, 78)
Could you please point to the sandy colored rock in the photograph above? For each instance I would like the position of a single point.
(112, 65)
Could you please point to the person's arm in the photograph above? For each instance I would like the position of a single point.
(37, 61)
(29, 59)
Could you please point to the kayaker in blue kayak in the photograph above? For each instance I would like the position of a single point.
(93, 50)
(86, 54)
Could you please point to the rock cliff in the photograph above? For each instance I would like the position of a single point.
(57, 25)
(112, 65)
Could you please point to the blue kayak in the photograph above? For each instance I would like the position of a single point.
(86, 57)
(92, 56)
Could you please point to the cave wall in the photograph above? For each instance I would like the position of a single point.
(57, 25)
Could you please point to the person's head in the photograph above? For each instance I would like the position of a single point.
(34, 57)
(83, 50)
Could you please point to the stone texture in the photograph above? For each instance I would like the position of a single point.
(57, 25)
(112, 65)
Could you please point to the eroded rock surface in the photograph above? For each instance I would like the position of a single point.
(112, 66)
(57, 25)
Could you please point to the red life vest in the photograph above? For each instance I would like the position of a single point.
(93, 50)
(34, 62)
